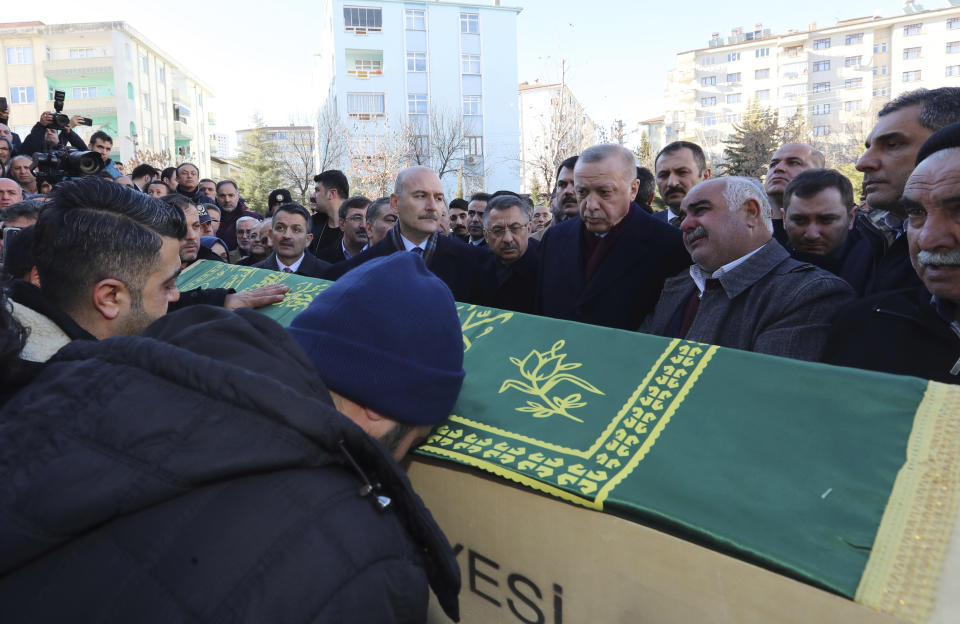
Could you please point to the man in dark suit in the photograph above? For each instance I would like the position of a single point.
(353, 224)
(607, 266)
(680, 166)
(515, 260)
(291, 235)
(744, 291)
(418, 199)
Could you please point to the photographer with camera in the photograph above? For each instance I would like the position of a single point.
(44, 137)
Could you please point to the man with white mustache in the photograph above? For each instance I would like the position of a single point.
(744, 291)
(418, 200)
(916, 331)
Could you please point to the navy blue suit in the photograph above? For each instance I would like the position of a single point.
(626, 285)
(460, 266)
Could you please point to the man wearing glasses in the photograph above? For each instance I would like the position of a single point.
(516, 260)
(352, 214)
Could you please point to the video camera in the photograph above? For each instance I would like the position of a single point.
(61, 121)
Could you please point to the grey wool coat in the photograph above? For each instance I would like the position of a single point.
(770, 304)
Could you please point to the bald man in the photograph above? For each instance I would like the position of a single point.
(418, 201)
(785, 164)
(10, 193)
(607, 265)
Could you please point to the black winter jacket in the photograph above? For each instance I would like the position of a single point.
(156, 479)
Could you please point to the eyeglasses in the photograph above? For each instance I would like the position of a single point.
(498, 231)
(357, 218)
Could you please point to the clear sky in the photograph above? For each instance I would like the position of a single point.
(257, 55)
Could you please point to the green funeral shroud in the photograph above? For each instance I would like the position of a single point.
(786, 464)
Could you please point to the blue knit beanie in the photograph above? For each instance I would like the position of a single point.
(387, 335)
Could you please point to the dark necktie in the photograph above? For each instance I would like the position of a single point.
(287, 270)
(693, 305)
(675, 221)
(418, 251)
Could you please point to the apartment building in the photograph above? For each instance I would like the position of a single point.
(837, 77)
(114, 75)
(550, 116)
(391, 64)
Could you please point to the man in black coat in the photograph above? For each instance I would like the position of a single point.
(607, 266)
(514, 260)
(291, 236)
(159, 479)
(418, 200)
(915, 331)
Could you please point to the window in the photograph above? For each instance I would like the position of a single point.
(145, 97)
(732, 118)
(733, 98)
(473, 145)
(851, 106)
(761, 74)
(821, 109)
(417, 104)
(733, 56)
(415, 19)
(911, 76)
(81, 53)
(20, 55)
(880, 47)
(853, 39)
(953, 22)
(148, 136)
(763, 94)
(821, 44)
(821, 130)
(821, 66)
(761, 52)
(470, 63)
(708, 60)
(362, 20)
(470, 23)
(879, 92)
(82, 93)
(880, 71)
(161, 74)
(366, 105)
(199, 99)
(144, 64)
(911, 53)
(853, 61)
(953, 47)
(708, 101)
(362, 67)
(733, 77)
(953, 70)
(416, 61)
(471, 105)
(912, 29)
(794, 51)
(853, 83)
(821, 87)
(22, 95)
(708, 81)
(130, 90)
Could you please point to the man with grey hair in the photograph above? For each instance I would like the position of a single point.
(785, 163)
(515, 259)
(247, 230)
(744, 291)
(607, 265)
(892, 146)
(418, 201)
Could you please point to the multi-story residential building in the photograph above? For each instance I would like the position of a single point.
(220, 144)
(114, 75)
(425, 70)
(836, 77)
(553, 125)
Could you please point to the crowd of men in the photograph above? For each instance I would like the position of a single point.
(798, 265)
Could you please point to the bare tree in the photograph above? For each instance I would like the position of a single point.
(618, 132)
(379, 150)
(297, 163)
(331, 139)
(447, 141)
(561, 136)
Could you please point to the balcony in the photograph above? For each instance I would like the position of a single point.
(79, 66)
(182, 131)
(88, 107)
(364, 64)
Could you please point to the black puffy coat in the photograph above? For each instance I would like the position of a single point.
(155, 479)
